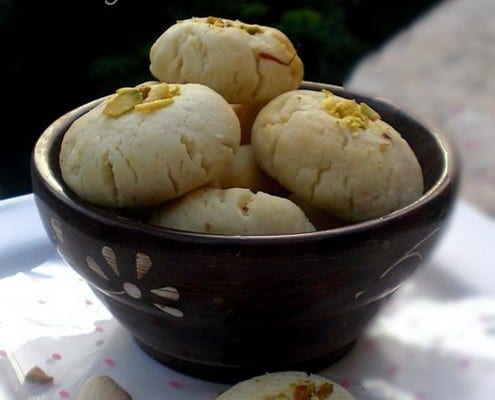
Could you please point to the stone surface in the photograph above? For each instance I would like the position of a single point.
(442, 69)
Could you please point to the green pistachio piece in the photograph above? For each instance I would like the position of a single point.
(150, 106)
(122, 102)
(251, 29)
(353, 115)
(158, 91)
(369, 112)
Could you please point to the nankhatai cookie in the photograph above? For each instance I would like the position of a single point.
(337, 154)
(247, 114)
(148, 144)
(235, 211)
(244, 63)
(244, 172)
(287, 385)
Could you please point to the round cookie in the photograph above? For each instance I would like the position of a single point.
(247, 113)
(244, 63)
(321, 219)
(288, 385)
(235, 211)
(336, 154)
(244, 172)
(149, 144)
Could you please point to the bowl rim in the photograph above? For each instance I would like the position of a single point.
(40, 165)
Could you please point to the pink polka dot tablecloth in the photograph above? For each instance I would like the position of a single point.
(434, 341)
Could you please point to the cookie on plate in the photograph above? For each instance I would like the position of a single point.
(148, 144)
(235, 211)
(287, 385)
(336, 154)
(244, 63)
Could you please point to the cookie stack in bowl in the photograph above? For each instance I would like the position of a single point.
(226, 142)
(233, 236)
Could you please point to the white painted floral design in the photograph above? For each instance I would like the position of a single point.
(142, 265)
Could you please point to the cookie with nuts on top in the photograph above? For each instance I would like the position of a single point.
(287, 385)
(336, 154)
(244, 63)
(148, 144)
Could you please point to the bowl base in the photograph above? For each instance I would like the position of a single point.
(234, 374)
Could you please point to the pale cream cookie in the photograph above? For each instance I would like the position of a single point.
(102, 387)
(322, 220)
(287, 385)
(235, 211)
(247, 114)
(336, 154)
(148, 144)
(244, 172)
(244, 63)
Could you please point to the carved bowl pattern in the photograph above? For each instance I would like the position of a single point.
(226, 308)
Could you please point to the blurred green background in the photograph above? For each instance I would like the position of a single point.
(57, 55)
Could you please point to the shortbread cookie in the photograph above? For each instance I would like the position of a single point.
(149, 144)
(321, 219)
(247, 114)
(235, 211)
(244, 172)
(102, 387)
(244, 63)
(336, 154)
(289, 385)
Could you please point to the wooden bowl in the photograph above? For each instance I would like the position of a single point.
(226, 308)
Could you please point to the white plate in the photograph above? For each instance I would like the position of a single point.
(434, 341)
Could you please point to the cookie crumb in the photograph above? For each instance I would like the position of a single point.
(37, 375)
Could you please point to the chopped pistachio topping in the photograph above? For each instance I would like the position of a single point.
(125, 90)
(251, 29)
(149, 106)
(122, 102)
(353, 114)
(220, 23)
(143, 89)
(173, 90)
(324, 390)
(212, 20)
(307, 390)
(159, 91)
(368, 111)
(143, 98)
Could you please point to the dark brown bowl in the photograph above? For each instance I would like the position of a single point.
(226, 308)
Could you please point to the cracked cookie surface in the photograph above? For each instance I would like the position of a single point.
(244, 63)
(145, 158)
(336, 155)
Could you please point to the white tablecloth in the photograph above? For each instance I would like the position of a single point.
(434, 341)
